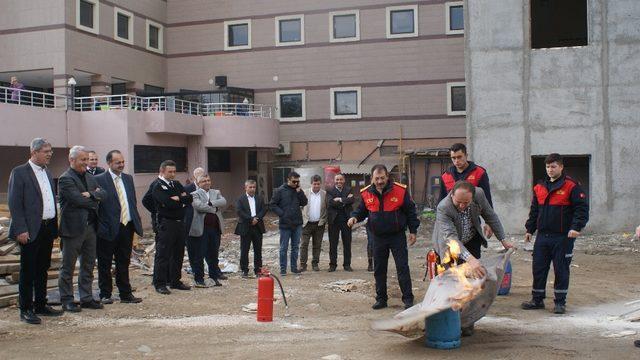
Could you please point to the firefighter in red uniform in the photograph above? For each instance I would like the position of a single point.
(559, 211)
(390, 211)
(463, 169)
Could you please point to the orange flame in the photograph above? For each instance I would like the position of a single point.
(451, 257)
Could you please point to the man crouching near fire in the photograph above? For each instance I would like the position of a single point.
(458, 219)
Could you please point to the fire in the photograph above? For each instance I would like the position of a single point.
(459, 272)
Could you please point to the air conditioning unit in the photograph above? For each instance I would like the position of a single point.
(284, 148)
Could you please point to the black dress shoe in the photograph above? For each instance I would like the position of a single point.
(532, 305)
(71, 307)
(408, 305)
(180, 286)
(29, 317)
(348, 268)
(163, 290)
(315, 267)
(92, 304)
(216, 282)
(106, 300)
(637, 343)
(130, 299)
(48, 311)
(296, 271)
(332, 268)
(222, 277)
(245, 274)
(379, 305)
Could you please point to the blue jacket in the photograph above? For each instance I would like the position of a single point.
(25, 202)
(109, 209)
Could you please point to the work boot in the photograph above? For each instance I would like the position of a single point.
(532, 305)
(29, 317)
(48, 311)
(380, 304)
(315, 267)
(408, 304)
(130, 299)
(180, 286)
(303, 267)
(163, 290)
(332, 268)
(348, 268)
(559, 309)
(467, 331)
(637, 343)
(370, 266)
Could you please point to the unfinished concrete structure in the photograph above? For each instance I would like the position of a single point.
(572, 90)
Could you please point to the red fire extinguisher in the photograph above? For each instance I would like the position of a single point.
(432, 265)
(265, 295)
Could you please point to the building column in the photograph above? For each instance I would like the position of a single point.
(61, 88)
(100, 85)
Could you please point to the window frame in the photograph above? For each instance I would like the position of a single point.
(416, 27)
(291, 92)
(116, 12)
(277, 30)
(448, 7)
(160, 48)
(227, 24)
(343, 13)
(96, 17)
(450, 111)
(332, 96)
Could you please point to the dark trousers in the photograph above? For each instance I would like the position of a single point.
(474, 246)
(204, 248)
(339, 228)
(35, 260)
(167, 264)
(253, 237)
(556, 249)
(369, 244)
(312, 231)
(397, 245)
(119, 250)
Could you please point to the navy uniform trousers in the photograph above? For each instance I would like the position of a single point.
(397, 245)
(556, 249)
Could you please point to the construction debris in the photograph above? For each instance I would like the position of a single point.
(347, 285)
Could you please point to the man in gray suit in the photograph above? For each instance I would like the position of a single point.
(79, 199)
(34, 225)
(458, 219)
(314, 218)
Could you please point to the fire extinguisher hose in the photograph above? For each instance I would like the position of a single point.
(281, 290)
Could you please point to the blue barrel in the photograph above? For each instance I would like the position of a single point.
(443, 330)
(505, 286)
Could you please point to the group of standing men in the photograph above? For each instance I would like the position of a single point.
(97, 219)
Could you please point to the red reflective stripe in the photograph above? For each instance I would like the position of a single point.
(448, 180)
(562, 196)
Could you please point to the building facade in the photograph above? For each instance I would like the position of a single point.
(351, 82)
(556, 76)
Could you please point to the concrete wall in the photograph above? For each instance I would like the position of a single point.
(575, 101)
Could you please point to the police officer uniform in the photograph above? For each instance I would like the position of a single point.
(556, 208)
(389, 213)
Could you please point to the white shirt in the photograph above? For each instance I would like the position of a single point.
(252, 204)
(117, 180)
(315, 206)
(48, 200)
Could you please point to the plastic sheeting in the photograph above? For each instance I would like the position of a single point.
(473, 297)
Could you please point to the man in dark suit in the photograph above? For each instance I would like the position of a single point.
(119, 219)
(92, 167)
(171, 200)
(340, 200)
(150, 205)
(251, 211)
(79, 196)
(34, 226)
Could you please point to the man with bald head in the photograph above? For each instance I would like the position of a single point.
(80, 197)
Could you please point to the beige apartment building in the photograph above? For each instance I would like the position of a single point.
(346, 83)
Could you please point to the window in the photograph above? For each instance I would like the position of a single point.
(402, 21)
(291, 105)
(147, 159)
(346, 103)
(88, 15)
(290, 30)
(252, 160)
(237, 35)
(344, 26)
(150, 90)
(455, 18)
(219, 160)
(558, 23)
(388, 150)
(155, 36)
(122, 25)
(456, 99)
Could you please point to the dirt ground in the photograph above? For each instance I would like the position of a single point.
(323, 323)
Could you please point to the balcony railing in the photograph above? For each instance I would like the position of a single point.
(32, 98)
(133, 102)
